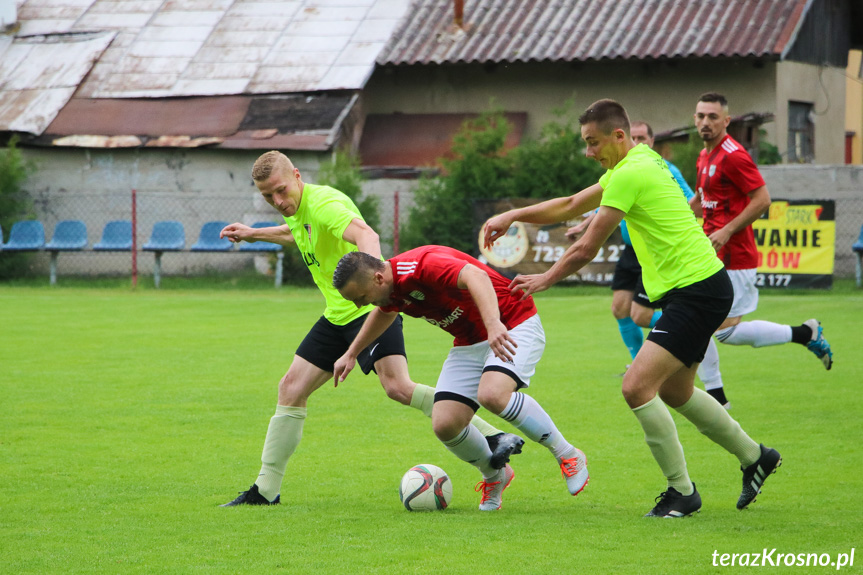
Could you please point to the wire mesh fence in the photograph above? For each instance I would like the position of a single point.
(139, 214)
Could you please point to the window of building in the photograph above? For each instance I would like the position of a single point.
(801, 133)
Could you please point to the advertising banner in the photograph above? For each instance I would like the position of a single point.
(796, 243)
(533, 248)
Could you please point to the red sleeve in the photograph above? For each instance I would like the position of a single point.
(742, 171)
(439, 270)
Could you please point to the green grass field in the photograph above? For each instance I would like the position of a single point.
(128, 417)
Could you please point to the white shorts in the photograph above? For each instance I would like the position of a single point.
(745, 292)
(459, 377)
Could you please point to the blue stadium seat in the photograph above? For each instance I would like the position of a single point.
(261, 246)
(26, 236)
(116, 237)
(858, 249)
(209, 240)
(69, 235)
(166, 237)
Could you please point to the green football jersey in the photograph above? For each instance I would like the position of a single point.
(670, 245)
(321, 220)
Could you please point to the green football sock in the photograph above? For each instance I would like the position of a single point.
(713, 420)
(660, 434)
(423, 399)
(283, 436)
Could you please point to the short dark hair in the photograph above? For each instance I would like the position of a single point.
(646, 125)
(713, 97)
(353, 263)
(608, 116)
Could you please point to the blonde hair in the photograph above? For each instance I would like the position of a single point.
(264, 165)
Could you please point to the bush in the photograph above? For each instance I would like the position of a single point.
(479, 168)
(15, 204)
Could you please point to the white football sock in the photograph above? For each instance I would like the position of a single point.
(470, 446)
(756, 333)
(708, 370)
(283, 436)
(531, 419)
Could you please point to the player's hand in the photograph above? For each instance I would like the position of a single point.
(342, 368)
(719, 238)
(574, 231)
(501, 342)
(237, 232)
(495, 228)
(529, 285)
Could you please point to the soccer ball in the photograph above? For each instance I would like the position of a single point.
(425, 488)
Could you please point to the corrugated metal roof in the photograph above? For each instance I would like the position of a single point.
(39, 74)
(179, 48)
(581, 30)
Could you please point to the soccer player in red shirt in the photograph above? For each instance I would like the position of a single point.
(730, 195)
(498, 341)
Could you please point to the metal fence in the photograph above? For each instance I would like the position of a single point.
(191, 210)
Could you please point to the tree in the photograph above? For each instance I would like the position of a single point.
(15, 204)
(478, 168)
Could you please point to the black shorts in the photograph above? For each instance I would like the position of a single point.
(327, 342)
(690, 315)
(627, 271)
(640, 296)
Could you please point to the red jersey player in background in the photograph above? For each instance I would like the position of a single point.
(498, 341)
(730, 194)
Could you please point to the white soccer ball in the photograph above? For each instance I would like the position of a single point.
(425, 488)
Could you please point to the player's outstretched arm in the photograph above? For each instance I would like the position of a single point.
(238, 232)
(477, 282)
(548, 212)
(576, 256)
(364, 237)
(375, 325)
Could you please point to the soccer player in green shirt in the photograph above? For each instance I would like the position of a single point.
(680, 272)
(325, 225)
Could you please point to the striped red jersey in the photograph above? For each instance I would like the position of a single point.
(725, 178)
(425, 285)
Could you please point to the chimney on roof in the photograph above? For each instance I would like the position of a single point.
(8, 16)
(458, 6)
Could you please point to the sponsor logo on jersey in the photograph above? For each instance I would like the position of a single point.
(448, 320)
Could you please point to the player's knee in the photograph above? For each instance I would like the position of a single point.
(445, 428)
(619, 311)
(492, 399)
(397, 388)
(632, 392)
(291, 389)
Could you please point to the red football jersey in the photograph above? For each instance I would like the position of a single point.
(724, 179)
(426, 286)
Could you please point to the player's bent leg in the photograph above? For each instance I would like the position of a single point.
(393, 374)
(641, 384)
(449, 420)
(284, 432)
(522, 411)
(641, 315)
